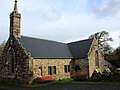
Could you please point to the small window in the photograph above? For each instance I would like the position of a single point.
(77, 68)
(49, 70)
(54, 69)
(66, 68)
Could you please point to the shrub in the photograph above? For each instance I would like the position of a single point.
(81, 75)
(44, 79)
(34, 81)
(116, 75)
(96, 76)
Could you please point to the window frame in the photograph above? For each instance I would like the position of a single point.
(51, 70)
(66, 68)
(96, 58)
(54, 70)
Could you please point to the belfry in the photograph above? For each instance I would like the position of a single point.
(15, 20)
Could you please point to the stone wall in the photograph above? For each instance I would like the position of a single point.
(88, 65)
(21, 71)
(91, 58)
(82, 71)
(40, 67)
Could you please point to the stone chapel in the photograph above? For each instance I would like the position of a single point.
(24, 58)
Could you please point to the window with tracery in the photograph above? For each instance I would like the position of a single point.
(11, 60)
(96, 58)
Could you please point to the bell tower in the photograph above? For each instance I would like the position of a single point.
(15, 21)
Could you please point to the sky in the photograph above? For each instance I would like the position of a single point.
(63, 20)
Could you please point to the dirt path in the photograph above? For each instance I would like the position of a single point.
(63, 87)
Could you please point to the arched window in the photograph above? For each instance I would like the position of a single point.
(11, 60)
(96, 58)
(77, 68)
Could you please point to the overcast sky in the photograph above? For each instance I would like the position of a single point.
(63, 20)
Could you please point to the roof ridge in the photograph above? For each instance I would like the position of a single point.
(81, 40)
(43, 39)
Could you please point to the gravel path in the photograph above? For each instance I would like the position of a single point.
(63, 87)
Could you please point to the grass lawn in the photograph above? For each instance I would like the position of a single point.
(65, 84)
(64, 81)
(70, 81)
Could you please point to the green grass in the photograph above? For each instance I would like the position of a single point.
(65, 81)
(70, 81)
(99, 82)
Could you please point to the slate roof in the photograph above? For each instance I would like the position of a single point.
(41, 48)
(106, 63)
(81, 48)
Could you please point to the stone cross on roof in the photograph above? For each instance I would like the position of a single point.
(15, 6)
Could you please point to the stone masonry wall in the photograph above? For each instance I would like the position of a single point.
(82, 73)
(22, 71)
(40, 67)
(91, 58)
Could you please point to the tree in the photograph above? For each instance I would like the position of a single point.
(114, 58)
(119, 42)
(2, 46)
(103, 39)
